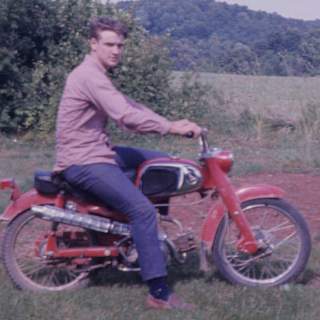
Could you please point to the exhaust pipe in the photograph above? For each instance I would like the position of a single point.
(77, 219)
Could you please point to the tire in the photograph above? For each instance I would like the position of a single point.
(285, 239)
(31, 271)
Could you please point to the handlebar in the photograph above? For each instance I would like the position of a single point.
(203, 139)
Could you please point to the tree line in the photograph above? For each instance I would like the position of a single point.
(213, 36)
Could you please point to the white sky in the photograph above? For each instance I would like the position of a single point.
(300, 9)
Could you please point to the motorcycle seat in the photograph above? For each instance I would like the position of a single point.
(51, 183)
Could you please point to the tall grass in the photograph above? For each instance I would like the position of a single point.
(309, 127)
(277, 97)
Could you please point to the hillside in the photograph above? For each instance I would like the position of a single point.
(218, 37)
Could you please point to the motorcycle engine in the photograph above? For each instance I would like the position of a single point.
(129, 254)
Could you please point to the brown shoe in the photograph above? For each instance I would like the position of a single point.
(174, 302)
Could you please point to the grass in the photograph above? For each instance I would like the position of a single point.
(271, 123)
(256, 149)
(121, 296)
(277, 97)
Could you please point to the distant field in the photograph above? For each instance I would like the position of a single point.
(274, 97)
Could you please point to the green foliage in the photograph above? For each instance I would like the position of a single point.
(145, 72)
(195, 100)
(217, 37)
(43, 40)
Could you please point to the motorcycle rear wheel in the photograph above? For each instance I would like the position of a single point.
(31, 271)
(285, 239)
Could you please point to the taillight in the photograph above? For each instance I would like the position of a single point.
(10, 184)
(7, 184)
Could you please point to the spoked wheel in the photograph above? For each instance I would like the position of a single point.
(23, 249)
(284, 245)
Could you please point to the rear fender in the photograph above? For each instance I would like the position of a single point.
(24, 202)
(217, 212)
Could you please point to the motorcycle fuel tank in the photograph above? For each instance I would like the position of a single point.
(169, 177)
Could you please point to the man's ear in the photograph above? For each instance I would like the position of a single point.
(93, 44)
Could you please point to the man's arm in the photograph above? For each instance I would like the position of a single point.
(180, 127)
(132, 115)
(118, 107)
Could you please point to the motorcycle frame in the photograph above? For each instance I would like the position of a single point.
(215, 177)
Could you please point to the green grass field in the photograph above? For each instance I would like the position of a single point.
(121, 296)
(274, 97)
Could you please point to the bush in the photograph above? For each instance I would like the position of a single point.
(43, 41)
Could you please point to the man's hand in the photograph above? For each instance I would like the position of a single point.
(184, 126)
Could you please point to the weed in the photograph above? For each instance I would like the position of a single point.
(309, 128)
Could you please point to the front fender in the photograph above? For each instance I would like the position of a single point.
(217, 211)
(23, 203)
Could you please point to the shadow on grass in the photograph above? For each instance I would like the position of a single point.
(176, 273)
(309, 278)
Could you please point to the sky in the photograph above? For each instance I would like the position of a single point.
(299, 9)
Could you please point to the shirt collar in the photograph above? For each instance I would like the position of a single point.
(93, 61)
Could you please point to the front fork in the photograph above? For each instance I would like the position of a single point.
(247, 242)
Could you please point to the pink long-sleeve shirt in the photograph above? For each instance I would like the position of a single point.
(88, 101)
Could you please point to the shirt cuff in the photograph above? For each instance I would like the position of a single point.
(166, 126)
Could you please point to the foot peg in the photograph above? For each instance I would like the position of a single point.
(185, 241)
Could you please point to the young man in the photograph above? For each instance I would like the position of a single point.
(85, 157)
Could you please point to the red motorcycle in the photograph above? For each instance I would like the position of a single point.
(56, 236)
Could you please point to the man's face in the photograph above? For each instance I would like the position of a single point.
(108, 48)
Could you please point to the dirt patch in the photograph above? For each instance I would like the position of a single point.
(301, 190)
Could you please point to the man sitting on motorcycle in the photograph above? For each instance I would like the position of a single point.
(88, 161)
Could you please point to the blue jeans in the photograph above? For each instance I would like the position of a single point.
(109, 184)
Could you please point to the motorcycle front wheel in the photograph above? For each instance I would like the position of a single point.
(23, 249)
(284, 245)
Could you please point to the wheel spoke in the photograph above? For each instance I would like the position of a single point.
(281, 227)
(284, 245)
(264, 219)
(285, 240)
(49, 277)
(33, 270)
(26, 261)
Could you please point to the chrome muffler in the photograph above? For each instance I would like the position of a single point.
(82, 220)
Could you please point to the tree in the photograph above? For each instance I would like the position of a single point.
(43, 40)
(196, 21)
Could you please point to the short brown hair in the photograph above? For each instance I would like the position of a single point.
(103, 24)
